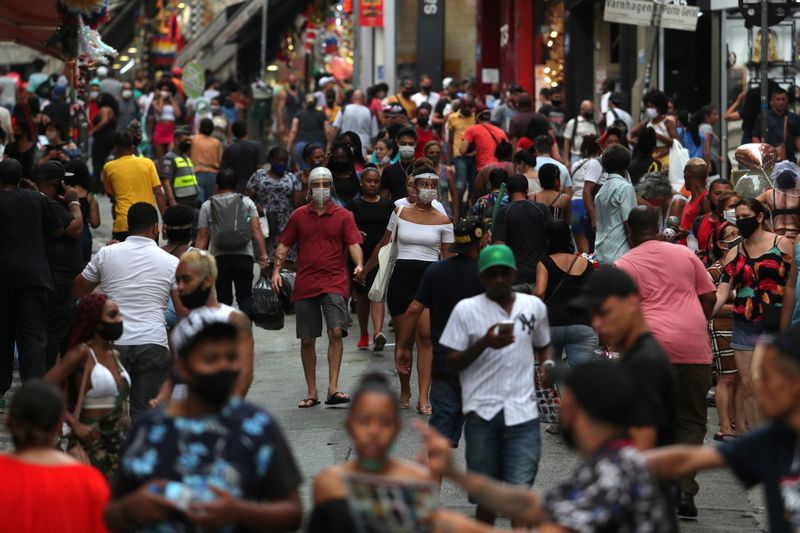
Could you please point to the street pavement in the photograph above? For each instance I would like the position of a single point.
(318, 438)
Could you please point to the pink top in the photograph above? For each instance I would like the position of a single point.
(671, 279)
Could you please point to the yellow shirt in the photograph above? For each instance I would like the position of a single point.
(408, 104)
(457, 125)
(130, 180)
(330, 113)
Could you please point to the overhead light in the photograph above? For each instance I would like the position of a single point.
(547, 79)
(699, 14)
(132, 50)
(124, 58)
(127, 67)
(554, 34)
(181, 5)
(554, 84)
(116, 66)
(547, 70)
(272, 68)
(549, 43)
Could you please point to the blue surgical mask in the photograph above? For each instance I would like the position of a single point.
(278, 168)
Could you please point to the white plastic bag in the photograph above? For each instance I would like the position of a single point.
(678, 157)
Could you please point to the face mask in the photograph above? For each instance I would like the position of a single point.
(384, 159)
(215, 388)
(127, 94)
(407, 152)
(196, 298)
(651, 112)
(214, 108)
(588, 115)
(747, 226)
(165, 94)
(729, 215)
(466, 112)
(426, 196)
(338, 166)
(94, 95)
(278, 168)
(185, 146)
(50, 135)
(320, 195)
(110, 331)
(556, 103)
(422, 122)
(434, 159)
(406, 92)
(425, 88)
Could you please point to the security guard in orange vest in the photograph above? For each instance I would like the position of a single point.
(177, 171)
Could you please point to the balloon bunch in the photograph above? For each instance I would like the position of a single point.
(90, 43)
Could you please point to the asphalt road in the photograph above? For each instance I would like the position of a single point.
(318, 438)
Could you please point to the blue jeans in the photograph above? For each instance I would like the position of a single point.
(578, 340)
(465, 174)
(506, 453)
(447, 417)
(206, 182)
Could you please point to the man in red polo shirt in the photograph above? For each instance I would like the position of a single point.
(425, 132)
(321, 229)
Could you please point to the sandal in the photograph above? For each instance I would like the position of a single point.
(553, 429)
(338, 398)
(308, 402)
(404, 404)
(425, 410)
(378, 342)
(725, 437)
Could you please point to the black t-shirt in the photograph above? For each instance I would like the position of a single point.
(310, 125)
(656, 384)
(769, 455)
(521, 225)
(371, 218)
(25, 159)
(240, 449)
(562, 288)
(394, 179)
(244, 157)
(63, 252)
(444, 284)
(25, 218)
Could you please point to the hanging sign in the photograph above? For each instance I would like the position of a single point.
(370, 13)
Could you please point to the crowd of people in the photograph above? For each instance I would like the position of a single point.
(522, 255)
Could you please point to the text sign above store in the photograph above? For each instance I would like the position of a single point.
(371, 13)
(644, 13)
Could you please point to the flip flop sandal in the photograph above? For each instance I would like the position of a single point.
(337, 398)
(404, 404)
(378, 342)
(425, 410)
(308, 402)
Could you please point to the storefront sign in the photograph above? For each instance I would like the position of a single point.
(643, 13)
(194, 79)
(430, 37)
(370, 13)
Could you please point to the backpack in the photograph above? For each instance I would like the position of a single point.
(229, 225)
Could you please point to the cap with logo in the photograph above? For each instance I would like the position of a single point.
(496, 255)
(468, 233)
(52, 170)
(200, 323)
(604, 282)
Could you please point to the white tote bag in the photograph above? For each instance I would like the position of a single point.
(387, 257)
(678, 157)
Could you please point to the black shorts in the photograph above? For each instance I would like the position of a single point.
(403, 284)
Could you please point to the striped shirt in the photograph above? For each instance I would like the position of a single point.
(499, 379)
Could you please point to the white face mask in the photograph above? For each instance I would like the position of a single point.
(384, 159)
(407, 152)
(320, 195)
(94, 95)
(127, 94)
(729, 215)
(165, 94)
(426, 196)
(651, 112)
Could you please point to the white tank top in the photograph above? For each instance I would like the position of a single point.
(167, 114)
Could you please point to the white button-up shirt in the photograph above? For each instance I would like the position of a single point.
(139, 276)
(499, 379)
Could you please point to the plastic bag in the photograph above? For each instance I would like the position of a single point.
(287, 277)
(267, 307)
(678, 157)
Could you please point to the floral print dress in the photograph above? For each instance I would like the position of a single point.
(276, 198)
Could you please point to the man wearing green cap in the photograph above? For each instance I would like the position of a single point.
(491, 340)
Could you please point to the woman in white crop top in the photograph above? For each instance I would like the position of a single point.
(166, 111)
(422, 235)
(99, 417)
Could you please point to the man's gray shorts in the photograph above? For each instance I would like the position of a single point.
(308, 315)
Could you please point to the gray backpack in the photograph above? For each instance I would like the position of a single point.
(229, 225)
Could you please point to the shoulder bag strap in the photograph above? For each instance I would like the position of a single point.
(397, 226)
(82, 390)
(496, 142)
(564, 277)
(574, 131)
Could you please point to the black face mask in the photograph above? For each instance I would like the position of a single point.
(422, 122)
(425, 88)
(747, 226)
(556, 103)
(196, 298)
(588, 115)
(338, 166)
(185, 146)
(406, 93)
(215, 389)
(110, 331)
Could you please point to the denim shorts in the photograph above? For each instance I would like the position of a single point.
(578, 216)
(447, 417)
(506, 453)
(309, 314)
(745, 334)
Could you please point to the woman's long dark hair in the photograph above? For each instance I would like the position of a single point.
(559, 238)
(355, 144)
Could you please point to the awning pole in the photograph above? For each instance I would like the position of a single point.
(264, 10)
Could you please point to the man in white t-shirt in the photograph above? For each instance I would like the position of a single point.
(616, 113)
(543, 144)
(491, 340)
(356, 117)
(426, 92)
(576, 128)
(140, 277)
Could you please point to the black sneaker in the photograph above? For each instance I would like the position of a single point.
(686, 508)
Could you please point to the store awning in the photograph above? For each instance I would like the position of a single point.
(28, 22)
(209, 36)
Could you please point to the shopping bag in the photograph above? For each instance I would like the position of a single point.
(548, 400)
(387, 257)
(267, 307)
(678, 157)
(287, 284)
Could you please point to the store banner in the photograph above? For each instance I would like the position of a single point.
(680, 17)
(430, 37)
(370, 14)
(643, 13)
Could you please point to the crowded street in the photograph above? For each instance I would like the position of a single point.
(388, 266)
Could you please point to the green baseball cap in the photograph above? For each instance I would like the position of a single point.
(496, 255)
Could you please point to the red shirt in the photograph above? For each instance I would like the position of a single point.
(704, 231)
(424, 136)
(486, 138)
(690, 213)
(321, 241)
(63, 498)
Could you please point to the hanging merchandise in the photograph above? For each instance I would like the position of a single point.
(168, 39)
(77, 31)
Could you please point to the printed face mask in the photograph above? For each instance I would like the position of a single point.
(407, 152)
(426, 196)
(320, 195)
